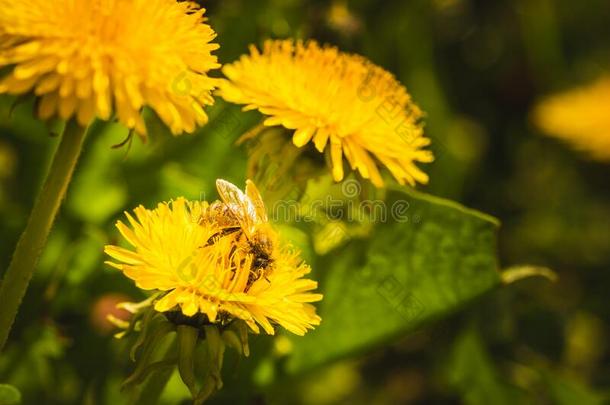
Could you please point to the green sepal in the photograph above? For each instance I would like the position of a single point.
(231, 339)
(187, 343)
(136, 379)
(160, 328)
(208, 388)
(236, 336)
(216, 350)
(242, 330)
(146, 322)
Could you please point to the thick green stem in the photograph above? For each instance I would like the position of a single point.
(34, 237)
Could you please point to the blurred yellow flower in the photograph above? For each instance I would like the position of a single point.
(89, 58)
(579, 116)
(206, 270)
(340, 102)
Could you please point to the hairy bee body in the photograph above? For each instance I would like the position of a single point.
(261, 248)
(243, 216)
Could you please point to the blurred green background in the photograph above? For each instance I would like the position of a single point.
(476, 68)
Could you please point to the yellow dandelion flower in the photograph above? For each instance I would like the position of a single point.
(340, 102)
(580, 116)
(88, 58)
(208, 274)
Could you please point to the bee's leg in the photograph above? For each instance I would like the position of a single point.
(212, 239)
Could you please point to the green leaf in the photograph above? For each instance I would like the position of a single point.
(471, 371)
(9, 395)
(564, 391)
(427, 258)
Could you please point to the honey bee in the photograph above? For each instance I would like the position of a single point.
(245, 213)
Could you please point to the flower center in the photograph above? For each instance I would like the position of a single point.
(199, 320)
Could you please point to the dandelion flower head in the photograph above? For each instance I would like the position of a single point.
(205, 270)
(99, 58)
(341, 103)
(580, 117)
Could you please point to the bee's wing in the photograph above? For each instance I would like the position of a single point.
(239, 203)
(256, 200)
